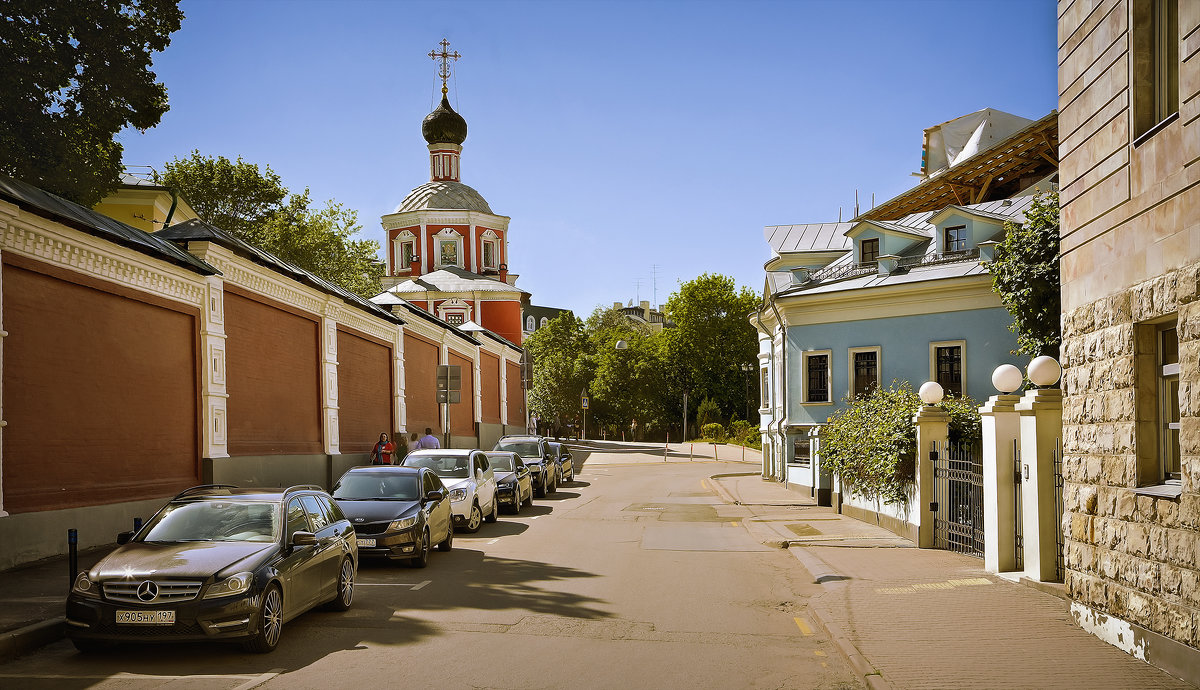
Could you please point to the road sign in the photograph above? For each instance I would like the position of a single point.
(585, 402)
(449, 377)
(452, 397)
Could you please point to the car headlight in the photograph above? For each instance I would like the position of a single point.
(234, 584)
(458, 495)
(84, 585)
(402, 523)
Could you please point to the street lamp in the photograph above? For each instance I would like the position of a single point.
(746, 369)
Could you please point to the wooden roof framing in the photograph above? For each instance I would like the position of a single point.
(969, 182)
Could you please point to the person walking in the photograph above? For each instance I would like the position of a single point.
(428, 440)
(381, 454)
(413, 442)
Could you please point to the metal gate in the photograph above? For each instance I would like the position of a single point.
(957, 499)
(1059, 570)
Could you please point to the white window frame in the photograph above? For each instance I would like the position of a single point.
(448, 235)
(962, 345)
(878, 350)
(544, 322)
(530, 324)
(804, 357)
(492, 239)
(764, 394)
(454, 306)
(398, 243)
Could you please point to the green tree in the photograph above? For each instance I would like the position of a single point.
(1025, 276)
(239, 198)
(711, 339)
(73, 74)
(627, 383)
(561, 368)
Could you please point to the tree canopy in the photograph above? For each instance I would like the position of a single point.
(254, 205)
(74, 74)
(1025, 276)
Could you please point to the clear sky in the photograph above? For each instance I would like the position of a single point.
(618, 136)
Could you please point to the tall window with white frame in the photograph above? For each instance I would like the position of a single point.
(765, 388)
(866, 373)
(948, 368)
(817, 378)
(1168, 401)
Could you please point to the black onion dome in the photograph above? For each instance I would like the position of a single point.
(444, 125)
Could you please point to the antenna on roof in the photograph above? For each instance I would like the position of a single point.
(856, 203)
(839, 214)
(654, 280)
(872, 199)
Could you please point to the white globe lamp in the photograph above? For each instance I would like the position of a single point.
(622, 345)
(1007, 378)
(1044, 371)
(931, 392)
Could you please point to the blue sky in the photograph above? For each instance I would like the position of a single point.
(618, 136)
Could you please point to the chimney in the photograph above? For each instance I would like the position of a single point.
(414, 267)
(503, 273)
(617, 305)
(645, 309)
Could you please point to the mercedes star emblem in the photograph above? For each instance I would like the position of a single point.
(147, 591)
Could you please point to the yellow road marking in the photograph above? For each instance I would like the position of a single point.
(819, 652)
(824, 665)
(800, 623)
(704, 484)
(734, 524)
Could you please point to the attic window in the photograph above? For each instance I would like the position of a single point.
(869, 251)
(956, 239)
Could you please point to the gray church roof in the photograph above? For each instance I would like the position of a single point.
(451, 196)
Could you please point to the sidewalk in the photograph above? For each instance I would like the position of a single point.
(922, 618)
(32, 602)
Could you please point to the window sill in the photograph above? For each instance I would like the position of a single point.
(817, 403)
(1149, 134)
(1172, 488)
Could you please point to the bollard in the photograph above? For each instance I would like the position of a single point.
(714, 452)
(691, 449)
(137, 524)
(72, 556)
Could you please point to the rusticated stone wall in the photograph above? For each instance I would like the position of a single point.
(1128, 554)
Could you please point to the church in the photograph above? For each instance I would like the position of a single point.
(445, 250)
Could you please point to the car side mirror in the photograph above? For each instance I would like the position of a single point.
(303, 539)
(433, 496)
(124, 537)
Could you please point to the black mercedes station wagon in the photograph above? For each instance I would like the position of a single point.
(218, 562)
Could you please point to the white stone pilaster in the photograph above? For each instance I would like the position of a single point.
(477, 388)
(399, 408)
(1041, 428)
(215, 396)
(1001, 429)
(503, 390)
(329, 385)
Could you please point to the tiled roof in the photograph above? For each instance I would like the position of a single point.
(51, 206)
(451, 196)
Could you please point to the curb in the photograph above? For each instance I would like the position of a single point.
(829, 578)
(17, 642)
(721, 491)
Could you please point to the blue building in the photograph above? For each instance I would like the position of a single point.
(900, 293)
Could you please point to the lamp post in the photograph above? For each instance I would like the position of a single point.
(746, 369)
(583, 402)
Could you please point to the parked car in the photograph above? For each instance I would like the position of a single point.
(470, 479)
(397, 512)
(514, 483)
(535, 453)
(218, 562)
(562, 456)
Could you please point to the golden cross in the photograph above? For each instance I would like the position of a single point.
(445, 56)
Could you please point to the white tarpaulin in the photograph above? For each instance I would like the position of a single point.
(952, 142)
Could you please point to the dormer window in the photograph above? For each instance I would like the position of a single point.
(455, 311)
(405, 245)
(955, 239)
(449, 248)
(491, 250)
(869, 251)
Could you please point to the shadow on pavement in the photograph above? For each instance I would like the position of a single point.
(560, 495)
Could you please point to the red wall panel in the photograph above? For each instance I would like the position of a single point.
(364, 391)
(516, 395)
(489, 383)
(420, 394)
(462, 413)
(274, 387)
(100, 391)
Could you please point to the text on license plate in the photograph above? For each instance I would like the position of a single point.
(369, 543)
(146, 617)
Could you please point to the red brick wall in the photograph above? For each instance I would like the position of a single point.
(273, 357)
(502, 318)
(100, 391)
(420, 395)
(364, 391)
(489, 383)
(516, 397)
(462, 413)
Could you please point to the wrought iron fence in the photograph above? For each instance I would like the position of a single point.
(1019, 540)
(957, 498)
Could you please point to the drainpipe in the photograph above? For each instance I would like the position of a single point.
(774, 473)
(771, 358)
(784, 387)
(171, 211)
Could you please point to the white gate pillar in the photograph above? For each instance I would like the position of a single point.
(1001, 429)
(1041, 429)
(933, 427)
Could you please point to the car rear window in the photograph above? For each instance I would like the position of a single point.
(449, 466)
(526, 449)
(367, 486)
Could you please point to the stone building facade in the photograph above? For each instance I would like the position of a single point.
(1129, 104)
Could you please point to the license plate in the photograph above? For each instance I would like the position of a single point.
(146, 617)
(369, 543)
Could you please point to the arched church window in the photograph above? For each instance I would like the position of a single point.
(530, 324)
(544, 322)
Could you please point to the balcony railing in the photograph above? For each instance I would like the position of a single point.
(831, 274)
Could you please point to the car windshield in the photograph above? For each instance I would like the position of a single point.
(501, 463)
(447, 466)
(377, 486)
(215, 521)
(526, 449)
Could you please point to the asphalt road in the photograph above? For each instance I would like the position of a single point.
(635, 575)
